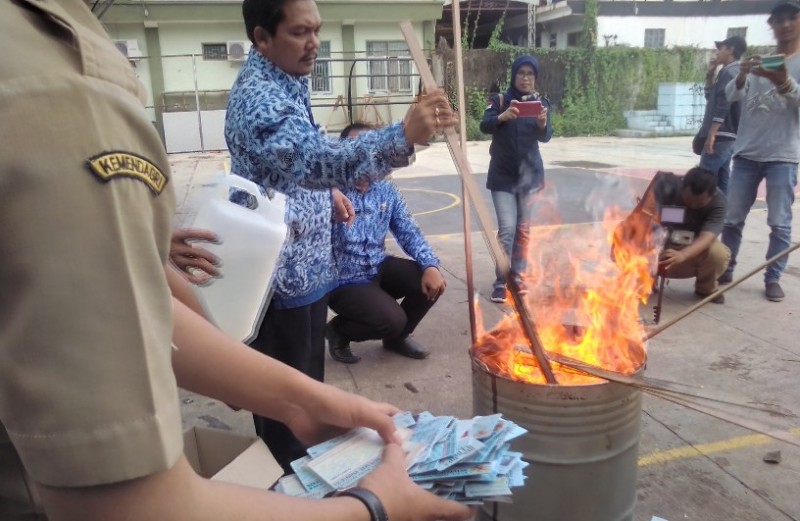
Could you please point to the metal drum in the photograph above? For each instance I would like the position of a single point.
(582, 445)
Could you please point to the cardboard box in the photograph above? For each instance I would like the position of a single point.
(231, 457)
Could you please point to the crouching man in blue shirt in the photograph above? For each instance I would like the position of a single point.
(371, 282)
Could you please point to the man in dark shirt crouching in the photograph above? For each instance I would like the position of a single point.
(692, 213)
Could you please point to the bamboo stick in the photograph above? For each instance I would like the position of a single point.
(670, 391)
(740, 421)
(465, 204)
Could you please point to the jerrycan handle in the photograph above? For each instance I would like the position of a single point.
(235, 181)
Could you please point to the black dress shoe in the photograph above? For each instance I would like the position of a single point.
(339, 346)
(407, 347)
(344, 355)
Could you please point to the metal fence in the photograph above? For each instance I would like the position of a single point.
(188, 94)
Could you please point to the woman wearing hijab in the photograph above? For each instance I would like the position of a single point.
(516, 171)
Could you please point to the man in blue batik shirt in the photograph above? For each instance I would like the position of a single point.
(274, 142)
(370, 281)
(268, 129)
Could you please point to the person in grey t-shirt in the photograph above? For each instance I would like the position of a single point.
(767, 145)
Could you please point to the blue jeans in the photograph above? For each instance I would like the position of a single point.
(514, 213)
(781, 180)
(719, 162)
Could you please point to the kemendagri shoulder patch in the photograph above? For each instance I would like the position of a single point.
(109, 165)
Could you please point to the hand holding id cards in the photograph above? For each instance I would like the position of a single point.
(469, 461)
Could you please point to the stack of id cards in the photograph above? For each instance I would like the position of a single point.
(469, 461)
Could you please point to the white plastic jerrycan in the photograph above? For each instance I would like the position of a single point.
(250, 245)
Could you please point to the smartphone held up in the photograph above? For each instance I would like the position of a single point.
(773, 62)
(528, 109)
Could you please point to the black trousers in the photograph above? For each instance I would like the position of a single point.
(371, 311)
(296, 337)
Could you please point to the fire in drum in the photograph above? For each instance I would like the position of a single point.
(583, 433)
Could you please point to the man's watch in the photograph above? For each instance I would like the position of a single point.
(370, 500)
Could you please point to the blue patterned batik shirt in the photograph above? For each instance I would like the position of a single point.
(359, 249)
(274, 142)
(305, 271)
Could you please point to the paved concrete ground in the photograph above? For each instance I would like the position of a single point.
(691, 466)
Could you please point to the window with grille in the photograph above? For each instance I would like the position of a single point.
(737, 31)
(389, 67)
(553, 40)
(654, 37)
(321, 77)
(215, 51)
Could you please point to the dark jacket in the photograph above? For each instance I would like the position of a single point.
(515, 165)
(718, 108)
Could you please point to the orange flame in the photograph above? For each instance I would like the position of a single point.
(586, 303)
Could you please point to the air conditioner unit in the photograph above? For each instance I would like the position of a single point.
(129, 48)
(237, 50)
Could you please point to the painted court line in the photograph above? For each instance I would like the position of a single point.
(706, 449)
(456, 200)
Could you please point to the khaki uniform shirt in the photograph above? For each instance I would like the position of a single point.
(87, 393)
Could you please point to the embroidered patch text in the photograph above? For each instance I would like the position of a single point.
(108, 165)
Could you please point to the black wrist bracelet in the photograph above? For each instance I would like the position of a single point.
(370, 500)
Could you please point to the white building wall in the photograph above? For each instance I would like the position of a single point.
(562, 31)
(561, 39)
(182, 51)
(680, 31)
(185, 70)
(141, 65)
(545, 39)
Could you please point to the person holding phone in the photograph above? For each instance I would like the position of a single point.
(767, 145)
(714, 141)
(516, 171)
